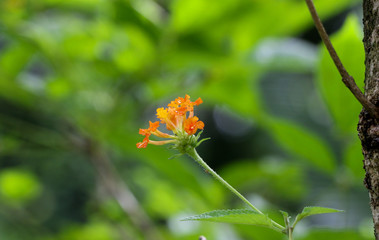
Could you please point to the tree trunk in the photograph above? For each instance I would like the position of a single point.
(368, 127)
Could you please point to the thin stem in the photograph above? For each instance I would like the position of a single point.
(289, 229)
(199, 160)
(346, 78)
(290, 233)
(193, 153)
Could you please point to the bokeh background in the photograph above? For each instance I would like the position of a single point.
(78, 78)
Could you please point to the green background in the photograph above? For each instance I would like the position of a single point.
(78, 78)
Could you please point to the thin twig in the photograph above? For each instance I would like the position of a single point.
(346, 78)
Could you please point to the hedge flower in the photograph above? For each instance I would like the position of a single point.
(178, 118)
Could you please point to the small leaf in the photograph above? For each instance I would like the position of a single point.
(236, 216)
(309, 211)
(285, 214)
(286, 218)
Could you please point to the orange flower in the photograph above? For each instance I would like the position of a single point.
(192, 124)
(147, 133)
(177, 120)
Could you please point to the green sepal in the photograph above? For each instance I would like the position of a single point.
(199, 134)
(202, 140)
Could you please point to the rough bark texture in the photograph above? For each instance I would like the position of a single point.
(368, 127)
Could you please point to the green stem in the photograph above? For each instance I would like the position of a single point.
(193, 153)
(290, 235)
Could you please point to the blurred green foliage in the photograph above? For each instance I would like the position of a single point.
(79, 78)
(17, 186)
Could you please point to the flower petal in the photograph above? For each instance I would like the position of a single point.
(191, 125)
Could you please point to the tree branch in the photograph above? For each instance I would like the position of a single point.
(346, 78)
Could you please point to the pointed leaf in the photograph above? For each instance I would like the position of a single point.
(303, 143)
(286, 218)
(285, 214)
(236, 216)
(309, 211)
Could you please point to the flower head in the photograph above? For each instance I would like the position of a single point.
(178, 118)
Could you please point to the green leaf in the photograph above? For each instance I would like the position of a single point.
(13, 59)
(228, 77)
(235, 216)
(18, 186)
(352, 157)
(309, 211)
(135, 50)
(343, 107)
(184, 13)
(303, 143)
(285, 214)
(251, 175)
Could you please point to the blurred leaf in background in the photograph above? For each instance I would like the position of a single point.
(18, 186)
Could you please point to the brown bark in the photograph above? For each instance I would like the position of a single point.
(368, 127)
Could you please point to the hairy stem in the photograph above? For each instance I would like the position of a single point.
(290, 236)
(193, 153)
(346, 78)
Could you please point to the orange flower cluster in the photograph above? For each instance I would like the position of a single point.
(176, 120)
